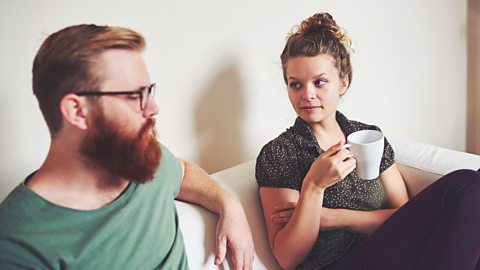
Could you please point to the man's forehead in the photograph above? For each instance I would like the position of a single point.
(122, 69)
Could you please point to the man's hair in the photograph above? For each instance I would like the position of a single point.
(66, 63)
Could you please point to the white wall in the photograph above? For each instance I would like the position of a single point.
(216, 63)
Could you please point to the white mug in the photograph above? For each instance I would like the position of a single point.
(366, 147)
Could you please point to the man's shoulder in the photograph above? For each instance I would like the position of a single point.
(15, 210)
(12, 201)
(168, 159)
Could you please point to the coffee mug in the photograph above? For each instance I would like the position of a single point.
(366, 147)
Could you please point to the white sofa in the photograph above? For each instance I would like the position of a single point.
(420, 165)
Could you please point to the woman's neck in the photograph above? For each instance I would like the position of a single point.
(327, 132)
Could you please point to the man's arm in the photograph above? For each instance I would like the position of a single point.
(232, 229)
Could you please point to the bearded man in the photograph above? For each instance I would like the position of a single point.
(104, 196)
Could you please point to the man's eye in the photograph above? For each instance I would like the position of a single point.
(295, 85)
(134, 96)
(319, 82)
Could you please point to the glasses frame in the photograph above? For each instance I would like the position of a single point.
(145, 93)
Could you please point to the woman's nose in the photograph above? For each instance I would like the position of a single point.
(308, 92)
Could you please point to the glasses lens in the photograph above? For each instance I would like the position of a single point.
(147, 93)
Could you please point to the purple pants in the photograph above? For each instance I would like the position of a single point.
(438, 229)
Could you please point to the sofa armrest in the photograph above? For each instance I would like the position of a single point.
(198, 225)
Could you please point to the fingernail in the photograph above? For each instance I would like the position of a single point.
(346, 146)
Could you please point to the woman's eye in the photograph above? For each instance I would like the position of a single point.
(320, 82)
(295, 85)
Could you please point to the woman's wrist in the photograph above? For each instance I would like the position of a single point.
(312, 181)
(311, 187)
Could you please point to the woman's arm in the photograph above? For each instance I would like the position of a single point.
(356, 221)
(395, 187)
(368, 221)
(353, 220)
(292, 242)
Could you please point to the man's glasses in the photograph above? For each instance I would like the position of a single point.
(145, 94)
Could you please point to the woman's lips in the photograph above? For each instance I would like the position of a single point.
(311, 108)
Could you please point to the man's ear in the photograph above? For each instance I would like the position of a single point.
(344, 86)
(75, 110)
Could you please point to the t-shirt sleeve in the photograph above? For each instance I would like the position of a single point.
(388, 158)
(276, 166)
(14, 255)
(169, 165)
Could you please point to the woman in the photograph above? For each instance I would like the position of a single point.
(319, 214)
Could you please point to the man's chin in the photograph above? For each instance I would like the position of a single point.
(148, 161)
(154, 132)
(135, 157)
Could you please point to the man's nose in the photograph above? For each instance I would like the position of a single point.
(151, 109)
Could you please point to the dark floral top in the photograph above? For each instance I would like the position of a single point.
(284, 162)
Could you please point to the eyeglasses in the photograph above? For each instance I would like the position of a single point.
(145, 94)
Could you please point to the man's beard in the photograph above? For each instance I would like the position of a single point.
(134, 157)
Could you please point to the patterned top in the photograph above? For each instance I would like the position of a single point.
(284, 162)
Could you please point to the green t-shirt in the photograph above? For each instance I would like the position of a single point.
(139, 230)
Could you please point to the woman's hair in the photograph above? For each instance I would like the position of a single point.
(319, 34)
(67, 62)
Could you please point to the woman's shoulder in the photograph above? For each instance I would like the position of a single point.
(279, 147)
(277, 162)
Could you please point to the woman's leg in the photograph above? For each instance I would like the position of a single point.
(454, 242)
(438, 229)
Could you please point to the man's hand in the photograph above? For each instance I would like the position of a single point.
(234, 232)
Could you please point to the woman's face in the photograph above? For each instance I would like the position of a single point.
(314, 87)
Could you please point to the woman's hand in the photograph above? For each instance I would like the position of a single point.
(283, 212)
(330, 167)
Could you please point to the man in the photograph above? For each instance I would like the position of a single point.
(104, 197)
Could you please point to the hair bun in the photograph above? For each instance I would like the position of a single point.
(323, 23)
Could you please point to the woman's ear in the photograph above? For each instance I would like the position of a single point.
(344, 86)
(74, 110)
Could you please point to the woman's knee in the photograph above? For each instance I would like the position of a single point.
(463, 179)
(464, 175)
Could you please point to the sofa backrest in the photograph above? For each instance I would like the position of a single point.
(421, 164)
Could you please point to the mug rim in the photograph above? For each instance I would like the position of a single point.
(351, 138)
